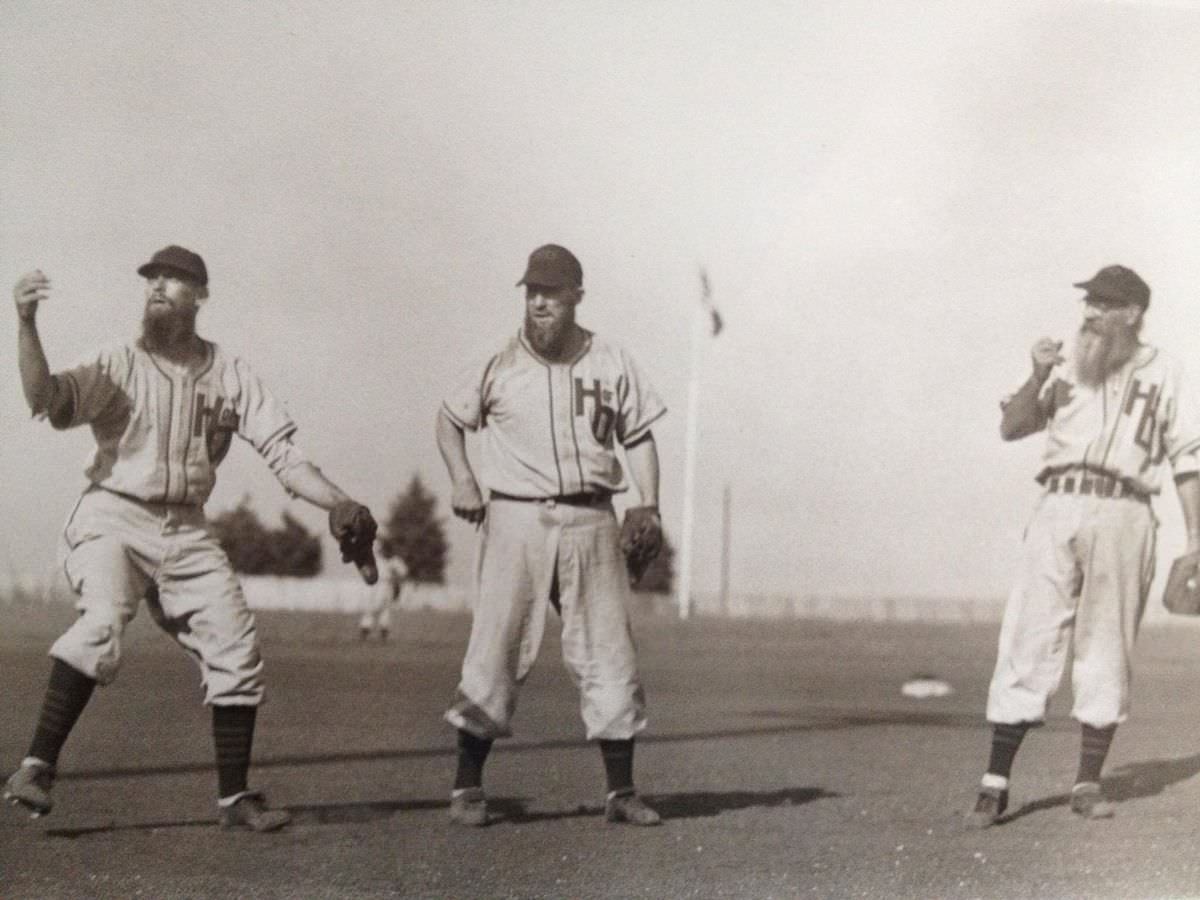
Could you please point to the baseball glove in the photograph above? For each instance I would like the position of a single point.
(353, 526)
(1182, 593)
(641, 540)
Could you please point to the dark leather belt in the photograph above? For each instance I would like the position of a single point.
(590, 499)
(1089, 484)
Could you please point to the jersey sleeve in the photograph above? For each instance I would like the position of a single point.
(639, 405)
(1181, 428)
(263, 421)
(88, 390)
(1056, 392)
(1027, 410)
(466, 401)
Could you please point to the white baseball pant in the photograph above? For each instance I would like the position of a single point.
(117, 549)
(1086, 568)
(525, 545)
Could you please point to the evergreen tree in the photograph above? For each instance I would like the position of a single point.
(255, 549)
(413, 532)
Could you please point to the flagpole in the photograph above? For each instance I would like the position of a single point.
(689, 467)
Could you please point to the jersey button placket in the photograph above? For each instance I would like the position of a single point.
(564, 415)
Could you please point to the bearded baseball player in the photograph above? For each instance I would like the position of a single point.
(163, 410)
(550, 409)
(1115, 413)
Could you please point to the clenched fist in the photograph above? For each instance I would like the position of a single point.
(1046, 354)
(467, 501)
(29, 291)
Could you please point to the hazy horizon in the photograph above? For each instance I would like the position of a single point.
(892, 206)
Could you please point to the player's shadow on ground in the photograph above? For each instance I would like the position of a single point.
(316, 814)
(1131, 781)
(701, 804)
(511, 810)
(669, 806)
(784, 722)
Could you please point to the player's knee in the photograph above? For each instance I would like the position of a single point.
(92, 645)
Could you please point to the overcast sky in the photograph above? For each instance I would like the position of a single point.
(892, 201)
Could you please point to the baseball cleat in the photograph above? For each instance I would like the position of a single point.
(468, 806)
(626, 806)
(989, 807)
(29, 787)
(251, 812)
(1088, 801)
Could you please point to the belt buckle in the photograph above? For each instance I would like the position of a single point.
(551, 503)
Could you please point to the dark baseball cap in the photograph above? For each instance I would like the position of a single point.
(1119, 284)
(553, 266)
(179, 260)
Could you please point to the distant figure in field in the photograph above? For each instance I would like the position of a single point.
(383, 597)
(1116, 414)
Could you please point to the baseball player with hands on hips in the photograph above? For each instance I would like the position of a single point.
(1116, 413)
(163, 410)
(550, 408)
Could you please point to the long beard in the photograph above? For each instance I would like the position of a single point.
(1099, 354)
(169, 329)
(549, 339)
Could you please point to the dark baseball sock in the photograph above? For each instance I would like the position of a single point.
(618, 763)
(472, 754)
(1093, 750)
(233, 736)
(1006, 741)
(66, 695)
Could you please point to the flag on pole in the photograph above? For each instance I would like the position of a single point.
(707, 303)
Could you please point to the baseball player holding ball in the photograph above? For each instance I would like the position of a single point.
(1116, 414)
(550, 408)
(163, 410)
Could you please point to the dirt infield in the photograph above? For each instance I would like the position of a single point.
(785, 758)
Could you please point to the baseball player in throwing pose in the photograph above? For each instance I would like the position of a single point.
(163, 410)
(551, 407)
(1115, 413)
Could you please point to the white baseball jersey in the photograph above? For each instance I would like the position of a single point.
(1140, 417)
(161, 431)
(550, 428)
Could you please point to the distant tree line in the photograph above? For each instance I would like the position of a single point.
(411, 531)
(256, 549)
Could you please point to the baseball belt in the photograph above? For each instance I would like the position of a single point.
(596, 498)
(1094, 485)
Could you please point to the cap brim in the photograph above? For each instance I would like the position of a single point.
(544, 281)
(1095, 291)
(146, 268)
